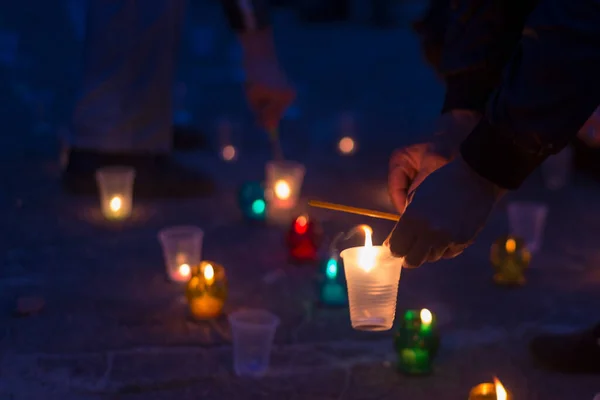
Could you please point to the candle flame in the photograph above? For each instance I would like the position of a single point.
(228, 152)
(368, 235)
(185, 270)
(501, 393)
(426, 316)
(346, 145)
(115, 203)
(282, 189)
(367, 256)
(209, 273)
(511, 245)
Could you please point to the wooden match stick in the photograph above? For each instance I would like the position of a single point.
(354, 210)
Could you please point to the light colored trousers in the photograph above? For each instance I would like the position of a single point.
(125, 100)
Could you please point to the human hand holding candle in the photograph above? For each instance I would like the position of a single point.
(372, 276)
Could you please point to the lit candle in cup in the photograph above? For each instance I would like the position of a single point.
(346, 145)
(206, 290)
(115, 185)
(284, 182)
(228, 153)
(417, 342)
(182, 249)
(372, 275)
(489, 391)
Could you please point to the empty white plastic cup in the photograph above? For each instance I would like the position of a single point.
(182, 250)
(283, 184)
(252, 332)
(372, 287)
(557, 169)
(115, 185)
(527, 220)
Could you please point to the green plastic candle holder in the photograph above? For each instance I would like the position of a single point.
(417, 342)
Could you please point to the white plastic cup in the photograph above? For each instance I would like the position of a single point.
(115, 185)
(372, 293)
(527, 220)
(182, 250)
(556, 170)
(253, 332)
(283, 183)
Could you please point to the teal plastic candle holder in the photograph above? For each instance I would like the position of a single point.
(333, 291)
(417, 342)
(252, 201)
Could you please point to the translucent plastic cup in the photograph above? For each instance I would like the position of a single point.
(283, 183)
(527, 220)
(115, 185)
(182, 250)
(372, 292)
(253, 332)
(556, 170)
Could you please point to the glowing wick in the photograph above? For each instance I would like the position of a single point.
(426, 316)
(115, 203)
(511, 245)
(228, 152)
(209, 273)
(346, 145)
(282, 189)
(501, 393)
(367, 257)
(184, 270)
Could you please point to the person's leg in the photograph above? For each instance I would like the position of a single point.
(124, 112)
(578, 352)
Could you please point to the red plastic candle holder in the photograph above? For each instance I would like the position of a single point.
(304, 239)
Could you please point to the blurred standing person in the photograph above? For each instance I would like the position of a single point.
(123, 115)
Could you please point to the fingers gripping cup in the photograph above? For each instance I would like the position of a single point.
(372, 276)
(253, 332)
(115, 185)
(284, 182)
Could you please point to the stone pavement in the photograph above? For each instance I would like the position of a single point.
(113, 328)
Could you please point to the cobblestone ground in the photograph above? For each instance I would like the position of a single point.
(113, 328)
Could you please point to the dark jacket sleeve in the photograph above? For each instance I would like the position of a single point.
(481, 36)
(549, 89)
(247, 15)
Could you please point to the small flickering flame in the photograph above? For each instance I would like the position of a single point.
(301, 225)
(367, 256)
(115, 203)
(511, 245)
(282, 189)
(426, 316)
(346, 145)
(501, 393)
(185, 270)
(209, 273)
(228, 152)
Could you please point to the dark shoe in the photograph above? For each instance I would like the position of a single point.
(155, 176)
(576, 353)
(189, 138)
(586, 159)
